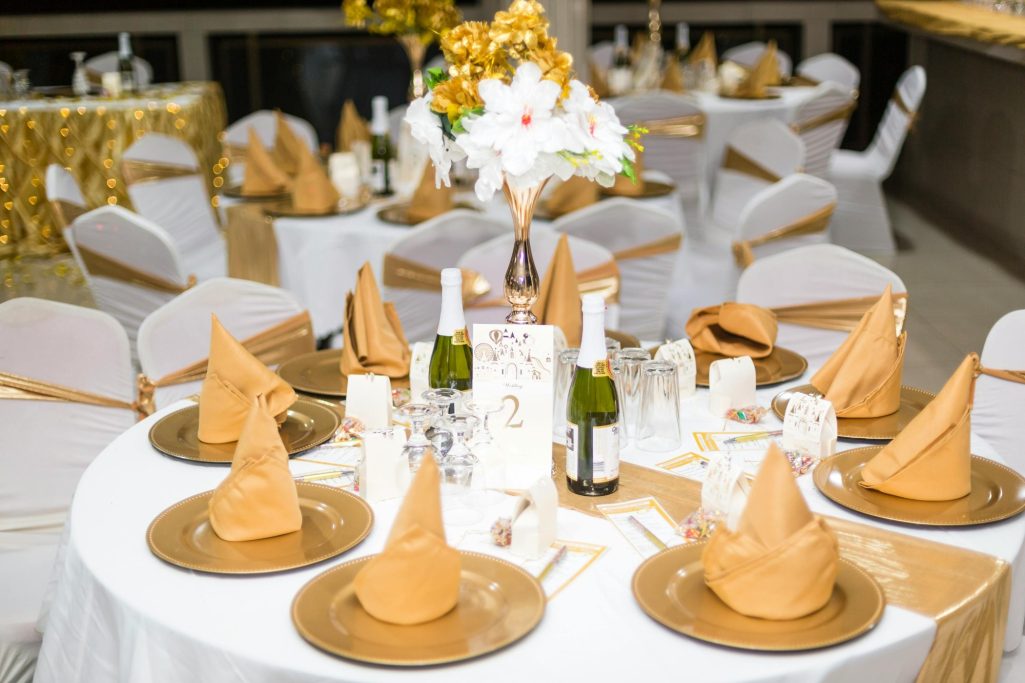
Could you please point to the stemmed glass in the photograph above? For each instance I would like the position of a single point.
(444, 402)
(418, 445)
(457, 472)
(490, 473)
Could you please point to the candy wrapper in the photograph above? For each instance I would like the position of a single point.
(699, 524)
(749, 416)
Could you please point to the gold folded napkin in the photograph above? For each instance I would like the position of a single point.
(558, 301)
(627, 187)
(351, 128)
(416, 577)
(672, 78)
(234, 377)
(781, 561)
(704, 51)
(258, 498)
(733, 329)
(575, 193)
(931, 458)
(599, 82)
(373, 337)
(313, 191)
(262, 176)
(429, 200)
(288, 148)
(762, 75)
(862, 377)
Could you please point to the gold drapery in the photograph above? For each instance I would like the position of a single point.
(966, 593)
(100, 265)
(842, 315)
(89, 135)
(957, 19)
(252, 246)
(16, 387)
(809, 225)
(735, 160)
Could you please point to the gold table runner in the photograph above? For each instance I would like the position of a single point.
(965, 592)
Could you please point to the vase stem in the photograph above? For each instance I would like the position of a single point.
(415, 51)
(521, 280)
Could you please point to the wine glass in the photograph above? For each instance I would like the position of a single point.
(444, 402)
(489, 477)
(79, 80)
(418, 445)
(457, 469)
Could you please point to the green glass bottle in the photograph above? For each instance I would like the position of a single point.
(380, 148)
(452, 358)
(592, 411)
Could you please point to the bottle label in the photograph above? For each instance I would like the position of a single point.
(605, 445)
(602, 368)
(460, 337)
(572, 439)
(378, 180)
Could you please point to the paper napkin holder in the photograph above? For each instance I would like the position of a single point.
(809, 426)
(681, 354)
(731, 383)
(419, 370)
(368, 399)
(533, 519)
(725, 488)
(383, 471)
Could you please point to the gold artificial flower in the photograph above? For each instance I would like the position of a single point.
(471, 52)
(454, 96)
(521, 29)
(425, 18)
(555, 64)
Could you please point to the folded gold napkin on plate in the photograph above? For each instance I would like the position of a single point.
(627, 187)
(781, 561)
(733, 329)
(573, 194)
(351, 128)
(258, 498)
(762, 75)
(429, 200)
(261, 176)
(416, 577)
(862, 377)
(373, 337)
(313, 191)
(704, 51)
(931, 459)
(558, 301)
(288, 148)
(234, 377)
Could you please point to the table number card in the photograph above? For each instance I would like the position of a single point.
(514, 364)
(809, 426)
(681, 354)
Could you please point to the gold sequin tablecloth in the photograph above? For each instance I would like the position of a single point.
(89, 135)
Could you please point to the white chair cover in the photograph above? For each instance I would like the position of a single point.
(996, 416)
(601, 54)
(265, 123)
(126, 237)
(396, 117)
(621, 224)
(822, 139)
(439, 243)
(819, 272)
(830, 67)
(180, 204)
(109, 61)
(177, 334)
(61, 186)
(748, 55)
(784, 203)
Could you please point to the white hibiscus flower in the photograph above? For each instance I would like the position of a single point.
(425, 126)
(595, 128)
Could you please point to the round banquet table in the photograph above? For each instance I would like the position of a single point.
(121, 614)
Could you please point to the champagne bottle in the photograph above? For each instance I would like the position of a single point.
(380, 148)
(124, 62)
(592, 411)
(682, 40)
(620, 77)
(452, 358)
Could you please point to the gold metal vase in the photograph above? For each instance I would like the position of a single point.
(521, 280)
(415, 51)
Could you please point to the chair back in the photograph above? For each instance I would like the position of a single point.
(748, 55)
(265, 123)
(830, 67)
(791, 213)
(64, 194)
(897, 121)
(821, 122)
(995, 415)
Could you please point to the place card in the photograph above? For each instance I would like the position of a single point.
(690, 465)
(809, 426)
(368, 399)
(726, 487)
(681, 354)
(419, 370)
(533, 519)
(644, 522)
(731, 384)
(383, 472)
(555, 572)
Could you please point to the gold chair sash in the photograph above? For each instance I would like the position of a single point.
(815, 222)
(66, 212)
(1017, 376)
(735, 160)
(16, 387)
(235, 154)
(839, 114)
(100, 265)
(252, 246)
(841, 315)
(138, 172)
(665, 245)
(799, 80)
(601, 279)
(599, 82)
(404, 273)
(690, 126)
(287, 339)
(912, 115)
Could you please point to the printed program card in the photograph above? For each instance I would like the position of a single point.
(644, 522)
(579, 556)
(690, 465)
(717, 441)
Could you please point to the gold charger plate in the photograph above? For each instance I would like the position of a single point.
(398, 214)
(998, 492)
(235, 192)
(499, 603)
(670, 588)
(766, 96)
(342, 208)
(779, 366)
(320, 372)
(333, 521)
(650, 190)
(308, 423)
(884, 428)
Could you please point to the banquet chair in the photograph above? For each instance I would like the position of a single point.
(862, 221)
(265, 123)
(131, 264)
(109, 62)
(821, 121)
(811, 274)
(996, 414)
(64, 195)
(396, 117)
(830, 67)
(593, 262)
(645, 241)
(47, 445)
(748, 55)
(174, 340)
(167, 186)
(412, 267)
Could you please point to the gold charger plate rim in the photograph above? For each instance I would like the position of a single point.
(821, 477)
(304, 489)
(779, 408)
(340, 209)
(397, 213)
(320, 643)
(291, 370)
(784, 354)
(847, 569)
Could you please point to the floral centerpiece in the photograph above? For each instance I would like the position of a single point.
(510, 106)
(415, 23)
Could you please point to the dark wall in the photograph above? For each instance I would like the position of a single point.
(49, 63)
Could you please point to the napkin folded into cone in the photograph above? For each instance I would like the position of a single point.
(262, 176)
(733, 329)
(258, 498)
(289, 149)
(931, 458)
(234, 377)
(351, 128)
(558, 300)
(781, 561)
(575, 193)
(313, 191)
(862, 377)
(373, 340)
(762, 75)
(416, 577)
(704, 51)
(672, 79)
(631, 188)
(429, 200)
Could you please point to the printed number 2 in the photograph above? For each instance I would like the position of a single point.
(515, 410)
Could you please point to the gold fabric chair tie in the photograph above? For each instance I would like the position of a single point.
(252, 246)
(840, 114)
(599, 82)
(100, 265)
(841, 315)
(1017, 376)
(690, 126)
(16, 387)
(912, 115)
(809, 225)
(287, 339)
(404, 273)
(602, 279)
(735, 160)
(665, 245)
(138, 172)
(235, 154)
(799, 80)
(66, 212)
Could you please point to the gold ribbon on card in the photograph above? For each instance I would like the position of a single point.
(276, 344)
(16, 387)
(137, 172)
(665, 245)
(690, 126)
(252, 246)
(403, 273)
(735, 160)
(809, 225)
(839, 114)
(100, 265)
(841, 315)
(65, 212)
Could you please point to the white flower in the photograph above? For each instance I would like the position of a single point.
(596, 129)
(425, 126)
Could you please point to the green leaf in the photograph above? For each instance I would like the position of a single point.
(434, 76)
(628, 169)
(457, 127)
